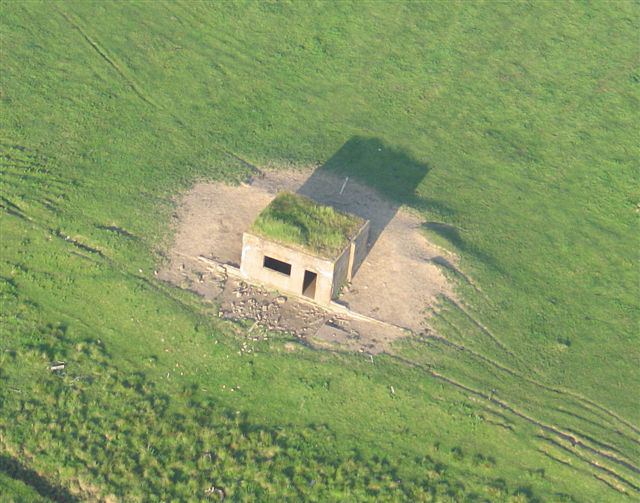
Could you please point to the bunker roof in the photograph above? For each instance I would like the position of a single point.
(297, 221)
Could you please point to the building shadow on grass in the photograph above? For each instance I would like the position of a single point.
(393, 174)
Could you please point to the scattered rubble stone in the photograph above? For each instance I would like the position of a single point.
(272, 311)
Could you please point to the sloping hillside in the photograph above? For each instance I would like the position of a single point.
(510, 128)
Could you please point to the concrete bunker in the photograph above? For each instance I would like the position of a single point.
(304, 248)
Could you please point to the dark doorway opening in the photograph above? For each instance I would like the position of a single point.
(309, 284)
(277, 265)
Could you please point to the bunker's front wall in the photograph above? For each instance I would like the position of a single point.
(254, 250)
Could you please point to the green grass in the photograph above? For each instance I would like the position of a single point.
(13, 490)
(510, 128)
(292, 219)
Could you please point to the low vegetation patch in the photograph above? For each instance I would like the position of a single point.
(94, 433)
(296, 220)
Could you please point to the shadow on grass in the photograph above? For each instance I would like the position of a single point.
(451, 234)
(369, 160)
(395, 176)
(42, 486)
(392, 173)
(448, 232)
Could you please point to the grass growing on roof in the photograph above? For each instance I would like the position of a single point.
(296, 220)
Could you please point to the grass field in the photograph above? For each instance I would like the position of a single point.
(511, 128)
(296, 220)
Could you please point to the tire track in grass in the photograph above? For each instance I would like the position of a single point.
(595, 464)
(95, 254)
(32, 165)
(12, 209)
(531, 420)
(615, 455)
(617, 431)
(143, 96)
(481, 327)
(588, 403)
(574, 415)
(458, 346)
(42, 178)
(610, 484)
(555, 457)
(27, 169)
(601, 408)
(600, 444)
(110, 61)
(575, 441)
(550, 429)
(147, 100)
(252, 167)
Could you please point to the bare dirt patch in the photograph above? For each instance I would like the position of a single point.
(397, 284)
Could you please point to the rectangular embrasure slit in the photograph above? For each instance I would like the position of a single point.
(277, 265)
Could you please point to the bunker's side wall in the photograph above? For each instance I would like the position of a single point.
(360, 248)
(254, 250)
(341, 271)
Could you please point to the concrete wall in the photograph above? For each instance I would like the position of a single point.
(341, 270)
(255, 248)
(360, 246)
